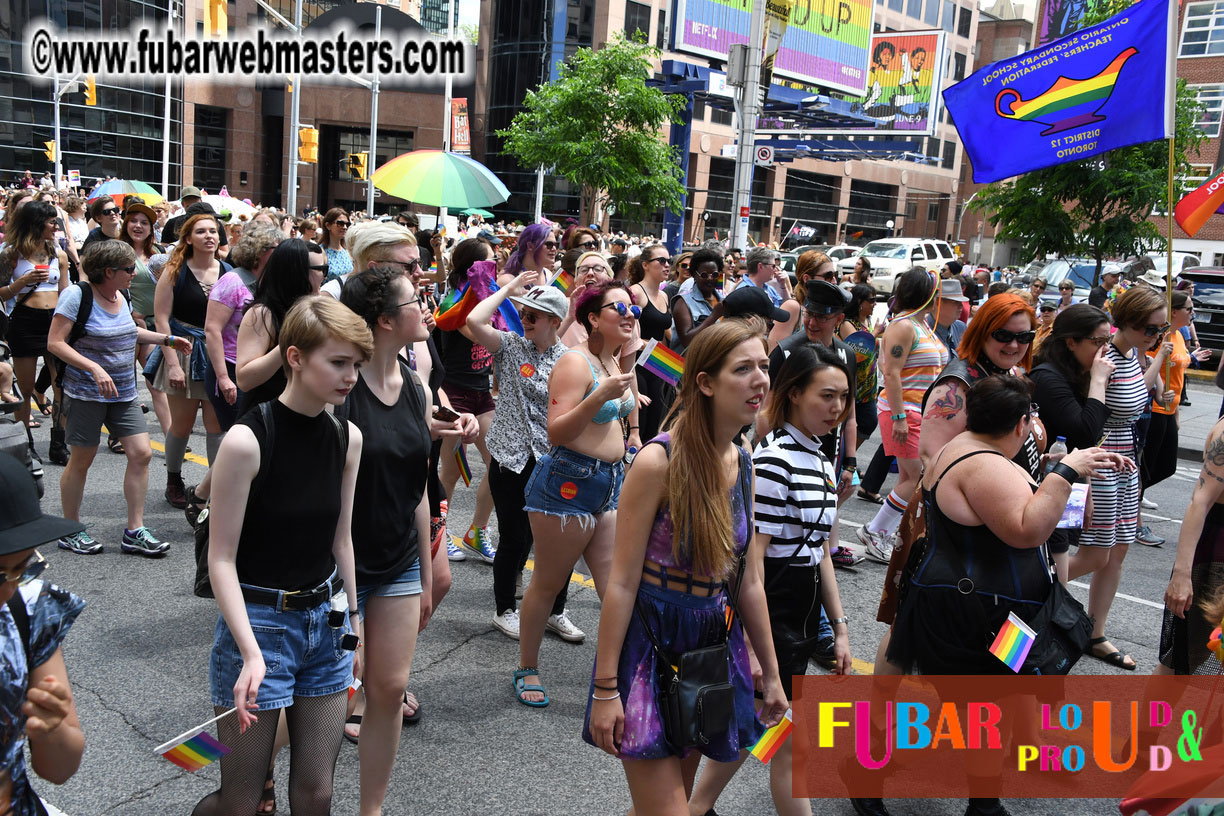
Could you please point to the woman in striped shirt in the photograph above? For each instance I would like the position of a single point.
(912, 358)
(1139, 315)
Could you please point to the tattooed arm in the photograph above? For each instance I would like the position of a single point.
(943, 419)
(1207, 491)
(896, 343)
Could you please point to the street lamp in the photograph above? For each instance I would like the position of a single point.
(889, 223)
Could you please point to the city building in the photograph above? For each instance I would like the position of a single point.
(841, 199)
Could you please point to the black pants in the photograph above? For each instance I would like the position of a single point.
(513, 534)
(651, 417)
(1159, 460)
(793, 598)
(433, 486)
(877, 471)
(227, 414)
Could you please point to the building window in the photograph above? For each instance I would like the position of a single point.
(949, 154)
(896, 5)
(1203, 32)
(911, 211)
(932, 211)
(966, 21)
(352, 140)
(914, 9)
(699, 110)
(1212, 98)
(661, 30)
(718, 116)
(949, 16)
(932, 147)
(958, 61)
(932, 12)
(210, 131)
(637, 18)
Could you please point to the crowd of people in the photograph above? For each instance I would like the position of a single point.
(314, 346)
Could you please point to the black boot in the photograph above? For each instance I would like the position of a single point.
(986, 807)
(57, 453)
(869, 807)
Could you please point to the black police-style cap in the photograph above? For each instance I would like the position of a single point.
(823, 298)
(752, 300)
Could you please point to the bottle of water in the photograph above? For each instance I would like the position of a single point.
(1056, 452)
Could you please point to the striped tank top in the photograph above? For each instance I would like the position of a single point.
(1126, 397)
(926, 359)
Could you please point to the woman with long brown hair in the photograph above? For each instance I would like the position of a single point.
(331, 238)
(687, 521)
(137, 232)
(180, 306)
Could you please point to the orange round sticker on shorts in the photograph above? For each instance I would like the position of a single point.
(527, 370)
(569, 490)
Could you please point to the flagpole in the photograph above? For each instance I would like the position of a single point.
(1169, 262)
(189, 733)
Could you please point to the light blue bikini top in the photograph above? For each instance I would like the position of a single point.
(612, 409)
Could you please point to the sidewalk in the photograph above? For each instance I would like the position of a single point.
(1198, 419)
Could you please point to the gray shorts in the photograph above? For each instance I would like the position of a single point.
(85, 419)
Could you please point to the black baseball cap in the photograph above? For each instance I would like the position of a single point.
(23, 525)
(823, 298)
(752, 300)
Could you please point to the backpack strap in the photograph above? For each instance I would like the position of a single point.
(265, 450)
(84, 310)
(21, 617)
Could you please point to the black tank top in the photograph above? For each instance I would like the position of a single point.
(465, 364)
(290, 520)
(653, 321)
(190, 301)
(394, 466)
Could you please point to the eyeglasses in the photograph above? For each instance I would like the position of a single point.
(115, 211)
(319, 267)
(663, 259)
(827, 276)
(131, 270)
(624, 309)
(1004, 336)
(406, 266)
(683, 265)
(341, 224)
(531, 317)
(1066, 288)
(1096, 341)
(34, 566)
(595, 267)
(549, 245)
(820, 318)
(709, 275)
(419, 300)
(588, 245)
(1039, 285)
(1151, 331)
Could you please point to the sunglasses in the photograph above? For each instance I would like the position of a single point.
(549, 245)
(588, 245)
(1096, 341)
(343, 224)
(319, 267)
(684, 265)
(1152, 331)
(112, 211)
(709, 275)
(1004, 336)
(663, 259)
(530, 317)
(406, 266)
(34, 566)
(1040, 286)
(131, 270)
(624, 309)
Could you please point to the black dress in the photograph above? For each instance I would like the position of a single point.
(653, 323)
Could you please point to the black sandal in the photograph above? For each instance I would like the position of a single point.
(114, 444)
(195, 506)
(268, 797)
(415, 716)
(353, 720)
(1114, 658)
(871, 498)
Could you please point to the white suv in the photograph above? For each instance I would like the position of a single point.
(891, 257)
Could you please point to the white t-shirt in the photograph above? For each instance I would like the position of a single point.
(796, 494)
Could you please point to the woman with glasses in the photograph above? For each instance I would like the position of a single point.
(335, 227)
(582, 238)
(1071, 373)
(1036, 288)
(701, 306)
(1066, 299)
(655, 265)
(1139, 315)
(36, 701)
(36, 271)
(180, 305)
(534, 251)
(100, 389)
(572, 495)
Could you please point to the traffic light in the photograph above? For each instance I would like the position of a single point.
(216, 18)
(50, 151)
(308, 150)
(91, 91)
(357, 165)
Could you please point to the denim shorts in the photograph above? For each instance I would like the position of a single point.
(573, 485)
(407, 582)
(303, 656)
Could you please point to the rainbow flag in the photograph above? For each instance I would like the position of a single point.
(563, 280)
(465, 472)
(454, 309)
(196, 748)
(1013, 642)
(1192, 212)
(772, 739)
(661, 361)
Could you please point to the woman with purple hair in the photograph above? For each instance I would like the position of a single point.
(535, 251)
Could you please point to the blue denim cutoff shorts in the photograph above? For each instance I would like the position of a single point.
(407, 582)
(302, 655)
(573, 485)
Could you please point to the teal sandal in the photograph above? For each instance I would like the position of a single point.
(521, 686)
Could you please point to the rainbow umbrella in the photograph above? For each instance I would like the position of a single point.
(118, 189)
(438, 179)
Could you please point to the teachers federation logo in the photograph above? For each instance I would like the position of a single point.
(1068, 103)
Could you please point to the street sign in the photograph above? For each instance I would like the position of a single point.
(743, 212)
(764, 156)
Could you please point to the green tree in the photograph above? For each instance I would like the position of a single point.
(1101, 207)
(599, 124)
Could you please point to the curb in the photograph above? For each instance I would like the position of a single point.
(1189, 454)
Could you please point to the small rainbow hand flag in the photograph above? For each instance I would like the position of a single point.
(563, 280)
(196, 748)
(661, 361)
(772, 739)
(1013, 642)
(465, 472)
(454, 309)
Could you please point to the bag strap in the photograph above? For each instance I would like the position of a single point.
(265, 450)
(21, 617)
(84, 310)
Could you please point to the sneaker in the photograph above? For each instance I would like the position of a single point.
(477, 541)
(176, 491)
(562, 627)
(81, 543)
(453, 551)
(141, 541)
(843, 556)
(507, 623)
(1146, 537)
(877, 546)
(1148, 505)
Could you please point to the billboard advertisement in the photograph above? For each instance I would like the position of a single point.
(1058, 18)
(826, 43)
(903, 84)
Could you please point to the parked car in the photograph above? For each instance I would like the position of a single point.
(1208, 305)
(1081, 271)
(894, 256)
(1181, 262)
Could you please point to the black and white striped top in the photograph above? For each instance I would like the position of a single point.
(796, 495)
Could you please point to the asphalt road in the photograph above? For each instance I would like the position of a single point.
(138, 662)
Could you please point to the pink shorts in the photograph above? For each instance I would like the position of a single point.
(909, 450)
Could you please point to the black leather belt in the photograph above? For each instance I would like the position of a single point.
(294, 601)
